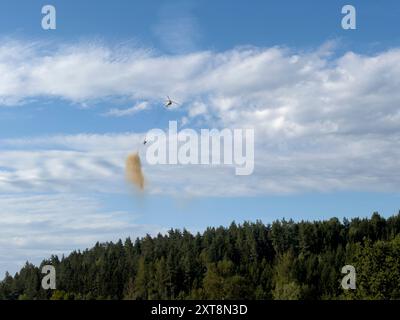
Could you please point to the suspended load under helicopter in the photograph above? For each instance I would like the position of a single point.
(168, 103)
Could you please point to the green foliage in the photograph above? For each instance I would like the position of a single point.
(222, 282)
(285, 260)
(378, 266)
(286, 286)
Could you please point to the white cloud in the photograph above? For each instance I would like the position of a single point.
(197, 109)
(322, 122)
(177, 28)
(36, 226)
(96, 163)
(116, 112)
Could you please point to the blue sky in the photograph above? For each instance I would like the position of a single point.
(322, 100)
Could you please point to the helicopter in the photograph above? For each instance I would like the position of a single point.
(170, 102)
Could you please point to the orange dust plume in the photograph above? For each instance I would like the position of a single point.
(133, 170)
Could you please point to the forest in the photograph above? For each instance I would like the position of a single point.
(252, 260)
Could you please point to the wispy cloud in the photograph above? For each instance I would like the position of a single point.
(116, 112)
(177, 28)
(36, 226)
(88, 163)
(322, 122)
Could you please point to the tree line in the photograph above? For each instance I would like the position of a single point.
(282, 260)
